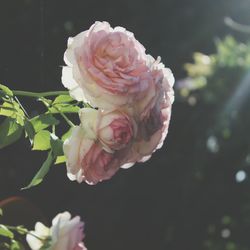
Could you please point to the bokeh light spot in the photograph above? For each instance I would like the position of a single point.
(240, 176)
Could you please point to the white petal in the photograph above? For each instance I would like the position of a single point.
(33, 242)
(127, 165)
(61, 217)
(73, 43)
(71, 149)
(69, 82)
(41, 229)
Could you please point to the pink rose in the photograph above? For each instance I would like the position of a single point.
(133, 93)
(99, 146)
(108, 140)
(154, 115)
(99, 165)
(106, 66)
(160, 89)
(64, 234)
(116, 129)
(87, 158)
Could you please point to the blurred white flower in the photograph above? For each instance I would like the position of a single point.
(64, 234)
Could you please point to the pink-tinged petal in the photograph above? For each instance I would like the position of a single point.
(106, 62)
(66, 233)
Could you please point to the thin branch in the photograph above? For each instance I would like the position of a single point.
(39, 94)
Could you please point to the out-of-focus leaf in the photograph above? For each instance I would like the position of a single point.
(2, 95)
(15, 245)
(21, 230)
(38, 178)
(10, 132)
(43, 121)
(4, 231)
(42, 140)
(1, 212)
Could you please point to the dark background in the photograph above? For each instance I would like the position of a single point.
(160, 204)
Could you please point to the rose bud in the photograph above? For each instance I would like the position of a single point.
(115, 129)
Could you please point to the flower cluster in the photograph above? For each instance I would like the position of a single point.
(64, 234)
(132, 95)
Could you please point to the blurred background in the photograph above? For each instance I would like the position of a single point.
(194, 193)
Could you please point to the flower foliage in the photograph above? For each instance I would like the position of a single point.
(219, 85)
(123, 97)
(211, 78)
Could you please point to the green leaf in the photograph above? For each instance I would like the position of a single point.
(42, 140)
(15, 245)
(64, 108)
(29, 129)
(45, 101)
(21, 230)
(60, 159)
(43, 121)
(2, 95)
(7, 109)
(1, 212)
(38, 178)
(63, 99)
(19, 115)
(6, 90)
(4, 245)
(67, 134)
(12, 109)
(4, 231)
(56, 145)
(10, 132)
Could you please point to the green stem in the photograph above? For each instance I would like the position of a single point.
(48, 105)
(39, 94)
(22, 230)
(39, 238)
(70, 123)
(54, 129)
(22, 107)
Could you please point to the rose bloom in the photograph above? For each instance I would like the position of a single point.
(154, 114)
(64, 234)
(133, 92)
(99, 146)
(106, 66)
(115, 129)
(87, 160)
(108, 140)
